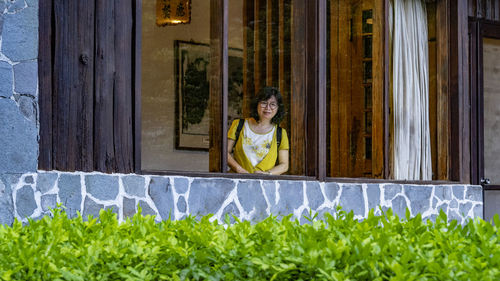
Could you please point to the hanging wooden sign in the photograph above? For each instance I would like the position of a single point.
(172, 12)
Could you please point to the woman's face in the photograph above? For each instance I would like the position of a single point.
(267, 109)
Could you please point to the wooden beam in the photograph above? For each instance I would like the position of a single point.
(45, 85)
(218, 85)
(137, 84)
(379, 102)
(298, 90)
(442, 89)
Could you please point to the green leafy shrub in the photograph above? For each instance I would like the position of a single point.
(377, 248)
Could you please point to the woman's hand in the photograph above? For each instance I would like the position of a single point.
(263, 172)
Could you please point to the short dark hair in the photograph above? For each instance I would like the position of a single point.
(264, 94)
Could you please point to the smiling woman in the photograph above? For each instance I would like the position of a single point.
(258, 144)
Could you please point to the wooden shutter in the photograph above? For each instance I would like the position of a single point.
(86, 69)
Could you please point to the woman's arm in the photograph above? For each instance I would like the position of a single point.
(282, 166)
(230, 160)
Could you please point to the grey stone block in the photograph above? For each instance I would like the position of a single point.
(478, 210)
(452, 215)
(331, 190)
(70, 193)
(391, 190)
(25, 201)
(474, 193)
(6, 79)
(291, 197)
(434, 202)
(114, 209)
(15, 5)
(419, 196)
(454, 204)
(270, 191)
(128, 207)
(230, 210)
(27, 107)
(134, 185)
(373, 194)
(459, 191)
(399, 206)
(443, 192)
(181, 204)
(29, 180)
(321, 213)
(6, 203)
(147, 210)
(161, 193)
(305, 217)
(20, 35)
(102, 187)
(443, 207)
(351, 199)
(91, 208)
(314, 195)
(464, 209)
(45, 182)
(18, 140)
(48, 201)
(207, 196)
(252, 199)
(26, 77)
(181, 185)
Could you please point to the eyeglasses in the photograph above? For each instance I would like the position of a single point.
(272, 105)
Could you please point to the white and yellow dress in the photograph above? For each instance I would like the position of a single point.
(254, 151)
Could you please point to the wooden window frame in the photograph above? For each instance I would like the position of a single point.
(478, 30)
(309, 84)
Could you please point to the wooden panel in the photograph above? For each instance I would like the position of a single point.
(137, 83)
(459, 101)
(272, 43)
(442, 89)
(472, 8)
(344, 88)
(335, 114)
(248, 55)
(45, 84)
(315, 144)
(104, 153)
(123, 107)
(297, 97)
(431, 22)
(260, 44)
(86, 87)
(379, 102)
(284, 51)
(73, 85)
(218, 85)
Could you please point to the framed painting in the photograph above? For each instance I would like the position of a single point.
(192, 70)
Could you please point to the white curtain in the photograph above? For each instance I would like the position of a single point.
(410, 89)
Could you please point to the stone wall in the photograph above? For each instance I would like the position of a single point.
(175, 197)
(18, 86)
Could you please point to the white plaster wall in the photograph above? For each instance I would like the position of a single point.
(491, 60)
(158, 87)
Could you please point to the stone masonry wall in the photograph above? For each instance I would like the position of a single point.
(175, 197)
(18, 86)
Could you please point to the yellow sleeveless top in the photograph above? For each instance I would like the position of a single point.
(268, 162)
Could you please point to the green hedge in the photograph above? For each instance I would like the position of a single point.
(378, 248)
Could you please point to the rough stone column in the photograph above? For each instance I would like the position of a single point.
(18, 100)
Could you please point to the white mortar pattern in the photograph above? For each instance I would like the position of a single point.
(233, 197)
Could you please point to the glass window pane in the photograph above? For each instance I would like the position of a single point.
(491, 106)
(175, 85)
(350, 86)
(260, 34)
